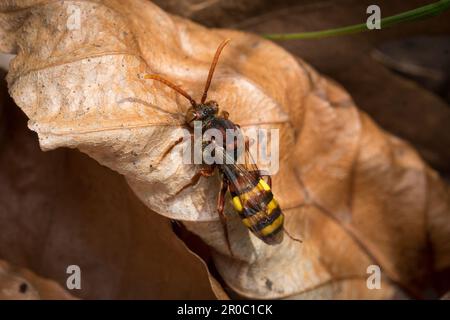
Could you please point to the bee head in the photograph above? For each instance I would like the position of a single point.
(201, 112)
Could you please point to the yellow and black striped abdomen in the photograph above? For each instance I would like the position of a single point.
(260, 211)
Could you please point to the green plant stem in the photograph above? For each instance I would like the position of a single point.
(426, 11)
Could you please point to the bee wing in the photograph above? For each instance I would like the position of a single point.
(243, 169)
(245, 179)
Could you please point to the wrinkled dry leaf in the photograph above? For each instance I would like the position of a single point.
(356, 195)
(22, 284)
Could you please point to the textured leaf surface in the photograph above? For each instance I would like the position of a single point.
(22, 284)
(356, 195)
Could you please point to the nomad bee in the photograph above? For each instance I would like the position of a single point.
(252, 196)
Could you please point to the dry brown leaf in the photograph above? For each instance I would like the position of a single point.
(356, 195)
(22, 284)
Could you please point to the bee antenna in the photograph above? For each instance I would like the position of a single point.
(171, 85)
(212, 68)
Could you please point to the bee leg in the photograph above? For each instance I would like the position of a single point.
(207, 172)
(225, 114)
(204, 172)
(269, 181)
(247, 150)
(167, 151)
(248, 143)
(220, 207)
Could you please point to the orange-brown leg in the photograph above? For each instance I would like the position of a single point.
(248, 142)
(269, 179)
(247, 150)
(167, 151)
(220, 208)
(225, 114)
(207, 172)
(204, 172)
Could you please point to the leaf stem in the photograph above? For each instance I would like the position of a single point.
(423, 12)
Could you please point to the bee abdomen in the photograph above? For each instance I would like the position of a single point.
(266, 226)
(265, 219)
